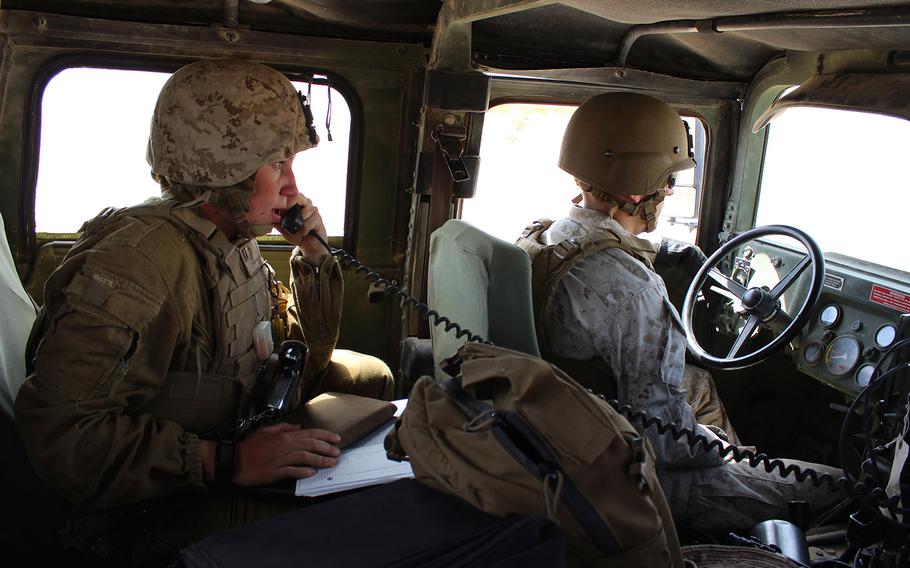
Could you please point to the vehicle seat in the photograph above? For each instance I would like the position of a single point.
(18, 315)
(32, 511)
(482, 283)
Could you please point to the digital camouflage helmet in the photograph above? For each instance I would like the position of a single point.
(626, 144)
(216, 122)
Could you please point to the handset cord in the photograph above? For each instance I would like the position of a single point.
(857, 488)
(349, 262)
(694, 440)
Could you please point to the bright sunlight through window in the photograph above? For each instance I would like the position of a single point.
(839, 175)
(94, 131)
(520, 182)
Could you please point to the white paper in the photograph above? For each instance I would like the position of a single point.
(359, 465)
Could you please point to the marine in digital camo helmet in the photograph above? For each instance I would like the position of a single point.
(215, 123)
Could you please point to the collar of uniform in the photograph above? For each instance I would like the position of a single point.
(592, 220)
(597, 220)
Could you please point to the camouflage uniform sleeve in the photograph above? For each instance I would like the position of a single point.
(650, 351)
(314, 309)
(635, 330)
(102, 346)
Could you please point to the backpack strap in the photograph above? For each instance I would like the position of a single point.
(550, 263)
(524, 444)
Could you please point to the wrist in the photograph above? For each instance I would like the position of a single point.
(316, 258)
(207, 457)
(224, 460)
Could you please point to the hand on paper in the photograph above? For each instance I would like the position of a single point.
(283, 451)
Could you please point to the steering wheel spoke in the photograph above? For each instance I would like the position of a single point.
(759, 306)
(788, 279)
(743, 336)
(728, 284)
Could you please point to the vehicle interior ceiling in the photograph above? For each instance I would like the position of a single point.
(410, 66)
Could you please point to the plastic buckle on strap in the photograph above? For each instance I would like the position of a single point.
(450, 140)
(531, 229)
(565, 249)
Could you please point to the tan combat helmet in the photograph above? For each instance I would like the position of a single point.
(217, 122)
(626, 144)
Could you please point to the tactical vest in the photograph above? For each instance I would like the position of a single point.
(237, 278)
(549, 264)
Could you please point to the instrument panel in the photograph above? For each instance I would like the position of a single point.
(856, 320)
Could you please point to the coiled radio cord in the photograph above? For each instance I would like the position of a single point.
(349, 262)
(856, 488)
(876, 495)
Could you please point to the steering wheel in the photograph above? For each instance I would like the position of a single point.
(760, 306)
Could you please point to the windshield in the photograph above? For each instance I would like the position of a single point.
(839, 175)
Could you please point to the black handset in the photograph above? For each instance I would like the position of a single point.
(292, 220)
(292, 358)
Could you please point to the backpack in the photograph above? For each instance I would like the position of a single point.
(512, 434)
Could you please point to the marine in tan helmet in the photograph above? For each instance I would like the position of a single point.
(623, 149)
(603, 314)
(149, 345)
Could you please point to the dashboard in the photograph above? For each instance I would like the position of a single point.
(857, 317)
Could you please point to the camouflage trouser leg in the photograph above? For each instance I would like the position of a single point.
(701, 394)
(353, 373)
(736, 497)
(181, 521)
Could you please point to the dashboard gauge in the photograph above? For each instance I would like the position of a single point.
(842, 355)
(830, 315)
(864, 375)
(812, 352)
(885, 336)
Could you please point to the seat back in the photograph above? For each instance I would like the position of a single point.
(482, 283)
(33, 513)
(18, 315)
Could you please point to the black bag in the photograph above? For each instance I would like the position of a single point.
(400, 524)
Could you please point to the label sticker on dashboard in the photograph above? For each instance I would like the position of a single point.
(892, 298)
(832, 281)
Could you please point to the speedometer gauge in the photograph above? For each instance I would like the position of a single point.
(842, 355)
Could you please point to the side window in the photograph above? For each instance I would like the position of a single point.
(94, 131)
(519, 180)
(839, 176)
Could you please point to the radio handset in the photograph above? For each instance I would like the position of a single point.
(292, 220)
(292, 359)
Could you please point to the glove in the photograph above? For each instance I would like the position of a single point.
(679, 254)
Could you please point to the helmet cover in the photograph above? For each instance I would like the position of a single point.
(217, 121)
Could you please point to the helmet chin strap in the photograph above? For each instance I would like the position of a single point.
(234, 199)
(646, 208)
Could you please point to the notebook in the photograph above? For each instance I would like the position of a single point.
(350, 416)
